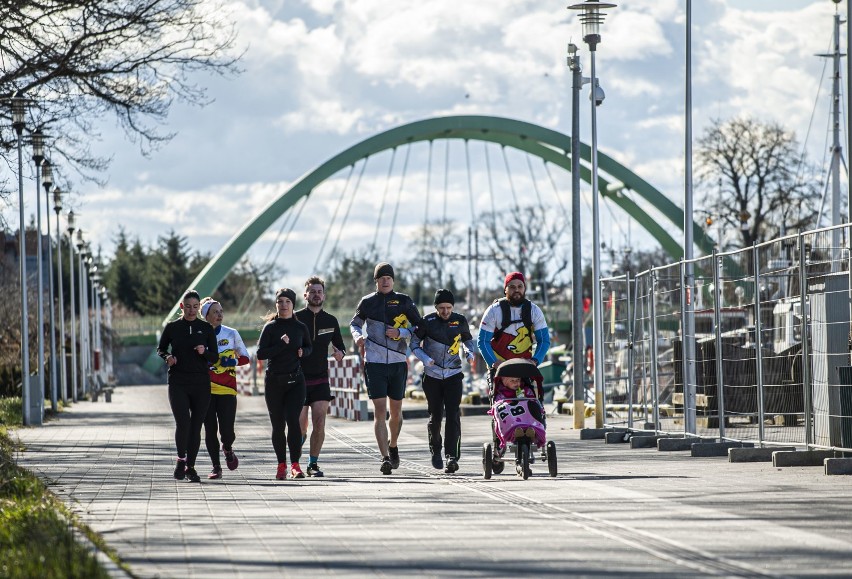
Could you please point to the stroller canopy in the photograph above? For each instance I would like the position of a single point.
(518, 368)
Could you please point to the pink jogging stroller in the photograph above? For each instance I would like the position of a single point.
(518, 422)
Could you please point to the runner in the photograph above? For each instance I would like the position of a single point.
(380, 327)
(284, 340)
(438, 341)
(511, 325)
(324, 331)
(188, 346)
(222, 411)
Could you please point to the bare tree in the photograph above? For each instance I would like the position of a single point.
(83, 60)
(527, 240)
(752, 179)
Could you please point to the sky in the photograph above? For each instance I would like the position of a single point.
(320, 76)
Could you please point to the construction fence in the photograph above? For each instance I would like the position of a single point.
(744, 346)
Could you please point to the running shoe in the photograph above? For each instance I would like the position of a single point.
(282, 471)
(393, 451)
(314, 469)
(215, 473)
(437, 461)
(296, 471)
(180, 469)
(452, 465)
(231, 460)
(386, 467)
(191, 475)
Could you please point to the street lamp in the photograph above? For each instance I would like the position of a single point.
(71, 229)
(47, 183)
(37, 141)
(57, 208)
(18, 105)
(591, 18)
(83, 295)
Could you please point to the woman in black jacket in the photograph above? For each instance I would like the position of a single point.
(188, 346)
(283, 341)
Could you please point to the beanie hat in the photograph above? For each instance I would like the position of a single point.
(286, 292)
(444, 296)
(383, 269)
(512, 276)
(205, 307)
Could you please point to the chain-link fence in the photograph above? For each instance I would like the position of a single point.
(755, 349)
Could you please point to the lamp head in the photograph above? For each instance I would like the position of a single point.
(37, 140)
(19, 109)
(57, 200)
(80, 243)
(591, 18)
(71, 224)
(46, 175)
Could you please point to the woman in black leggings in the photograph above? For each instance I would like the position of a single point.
(283, 341)
(188, 346)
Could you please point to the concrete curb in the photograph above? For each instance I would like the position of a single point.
(764, 454)
(835, 466)
(671, 444)
(801, 458)
(645, 440)
(708, 449)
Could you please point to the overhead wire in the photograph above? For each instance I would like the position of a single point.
(446, 179)
(469, 181)
(509, 177)
(349, 207)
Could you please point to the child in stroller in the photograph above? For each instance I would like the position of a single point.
(518, 419)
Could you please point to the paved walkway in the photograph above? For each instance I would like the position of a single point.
(611, 512)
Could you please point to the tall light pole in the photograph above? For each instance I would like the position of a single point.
(576, 240)
(47, 183)
(57, 208)
(37, 141)
(688, 333)
(71, 265)
(83, 296)
(591, 18)
(19, 104)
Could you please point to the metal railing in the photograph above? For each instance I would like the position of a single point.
(771, 345)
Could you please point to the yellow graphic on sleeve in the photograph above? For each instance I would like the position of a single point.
(401, 321)
(454, 347)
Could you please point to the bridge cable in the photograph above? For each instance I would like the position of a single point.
(488, 171)
(428, 187)
(469, 181)
(384, 197)
(334, 216)
(398, 196)
(349, 207)
(446, 179)
(509, 176)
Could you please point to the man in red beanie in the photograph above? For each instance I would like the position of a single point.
(512, 325)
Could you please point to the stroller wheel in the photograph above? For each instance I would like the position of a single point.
(497, 466)
(487, 460)
(551, 458)
(523, 466)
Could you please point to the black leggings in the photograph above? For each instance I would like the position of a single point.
(189, 398)
(285, 397)
(221, 415)
(441, 395)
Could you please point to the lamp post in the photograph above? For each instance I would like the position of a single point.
(18, 104)
(97, 346)
(83, 296)
(47, 183)
(576, 239)
(57, 208)
(37, 141)
(591, 18)
(71, 229)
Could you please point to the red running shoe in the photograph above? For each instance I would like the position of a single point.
(215, 473)
(282, 471)
(296, 471)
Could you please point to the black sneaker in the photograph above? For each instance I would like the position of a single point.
(386, 467)
(393, 451)
(314, 469)
(452, 465)
(231, 460)
(180, 469)
(191, 475)
(437, 461)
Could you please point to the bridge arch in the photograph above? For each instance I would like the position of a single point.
(614, 180)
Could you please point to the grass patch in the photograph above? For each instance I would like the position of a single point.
(37, 532)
